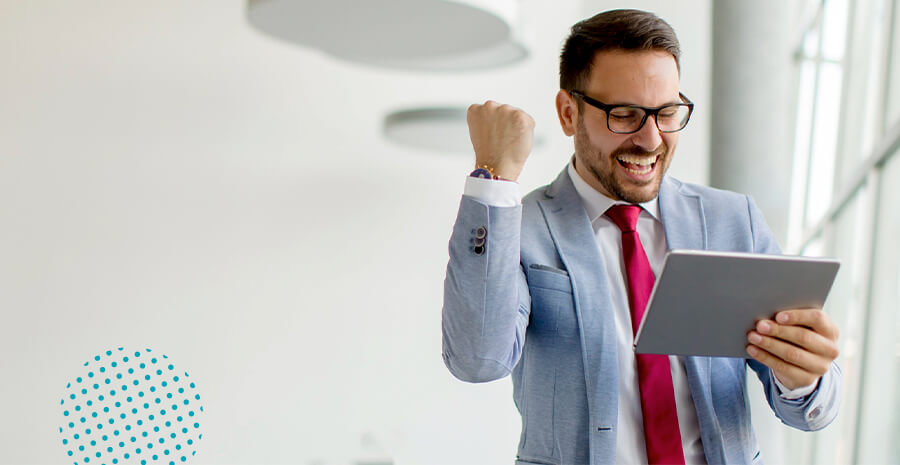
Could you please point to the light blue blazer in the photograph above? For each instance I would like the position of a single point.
(532, 301)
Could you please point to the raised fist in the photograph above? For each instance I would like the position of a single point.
(502, 137)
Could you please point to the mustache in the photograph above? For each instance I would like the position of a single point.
(663, 148)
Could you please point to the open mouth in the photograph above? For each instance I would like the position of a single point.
(637, 164)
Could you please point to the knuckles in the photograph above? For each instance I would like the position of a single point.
(832, 352)
(806, 338)
(793, 355)
(491, 111)
(793, 364)
(817, 318)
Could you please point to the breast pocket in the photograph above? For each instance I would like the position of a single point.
(552, 303)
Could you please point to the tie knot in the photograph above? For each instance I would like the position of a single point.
(624, 216)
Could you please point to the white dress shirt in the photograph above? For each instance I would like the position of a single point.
(630, 445)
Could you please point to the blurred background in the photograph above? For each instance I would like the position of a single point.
(263, 190)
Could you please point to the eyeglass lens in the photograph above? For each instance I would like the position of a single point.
(629, 119)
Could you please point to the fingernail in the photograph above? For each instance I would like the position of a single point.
(755, 338)
(782, 317)
(752, 350)
(764, 327)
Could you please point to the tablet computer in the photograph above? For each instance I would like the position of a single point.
(704, 303)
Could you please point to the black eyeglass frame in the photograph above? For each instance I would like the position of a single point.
(647, 111)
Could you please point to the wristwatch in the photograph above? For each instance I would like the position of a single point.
(481, 173)
(486, 172)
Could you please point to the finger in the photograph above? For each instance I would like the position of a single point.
(783, 369)
(800, 336)
(814, 318)
(791, 354)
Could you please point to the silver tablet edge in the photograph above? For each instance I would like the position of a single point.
(714, 253)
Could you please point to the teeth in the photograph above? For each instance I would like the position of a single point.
(639, 172)
(643, 161)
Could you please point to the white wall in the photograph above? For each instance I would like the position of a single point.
(171, 179)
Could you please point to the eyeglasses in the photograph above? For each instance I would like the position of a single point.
(628, 119)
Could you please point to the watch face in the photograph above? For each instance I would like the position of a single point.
(481, 173)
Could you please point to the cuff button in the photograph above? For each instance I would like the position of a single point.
(814, 413)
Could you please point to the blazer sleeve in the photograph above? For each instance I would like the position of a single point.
(819, 408)
(486, 300)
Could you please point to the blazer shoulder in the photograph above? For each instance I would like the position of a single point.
(536, 195)
(531, 209)
(729, 217)
(707, 193)
(715, 201)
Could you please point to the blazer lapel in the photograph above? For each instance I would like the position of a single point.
(685, 224)
(699, 375)
(574, 238)
(682, 216)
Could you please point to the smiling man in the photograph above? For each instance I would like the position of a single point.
(551, 288)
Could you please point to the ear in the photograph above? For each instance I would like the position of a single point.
(567, 110)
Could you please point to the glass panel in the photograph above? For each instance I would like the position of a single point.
(864, 64)
(877, 67)
(893, 101)
(824, 141)
(845, 305)
(815, 248)
(797, 447)
(834, 29)
(879, 423)
(806, 86)
(811, 43)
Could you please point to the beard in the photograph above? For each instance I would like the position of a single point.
(604, 170)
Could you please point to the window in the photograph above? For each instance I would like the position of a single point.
(877, 436)
(845, 198)
(892, 119)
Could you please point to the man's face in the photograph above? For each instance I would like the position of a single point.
(627, 167)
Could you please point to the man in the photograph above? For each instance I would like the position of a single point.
(552, 289)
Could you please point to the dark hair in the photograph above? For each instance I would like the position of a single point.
(612, 30)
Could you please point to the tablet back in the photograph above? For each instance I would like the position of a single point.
(704, 303)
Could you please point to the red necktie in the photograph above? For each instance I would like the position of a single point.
(661, 433)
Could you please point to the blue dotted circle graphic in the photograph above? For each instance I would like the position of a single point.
(130, 407)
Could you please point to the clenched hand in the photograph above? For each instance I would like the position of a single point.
(502, 136)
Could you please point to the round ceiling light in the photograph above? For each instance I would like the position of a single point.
(410, 34)
(441, 129)
(437, 129)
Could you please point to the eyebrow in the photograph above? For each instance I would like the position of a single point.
(626, 104)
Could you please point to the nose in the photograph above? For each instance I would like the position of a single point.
(648, 137)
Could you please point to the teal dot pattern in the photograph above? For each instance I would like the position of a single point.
(130, 407)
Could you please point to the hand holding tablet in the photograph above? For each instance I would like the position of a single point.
(709, 303)
(799, 345)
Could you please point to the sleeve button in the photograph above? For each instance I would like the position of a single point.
(814, 413)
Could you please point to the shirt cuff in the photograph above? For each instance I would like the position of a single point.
(494, 193)
(792, 394)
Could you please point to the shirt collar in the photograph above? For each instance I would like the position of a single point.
(596, 204)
